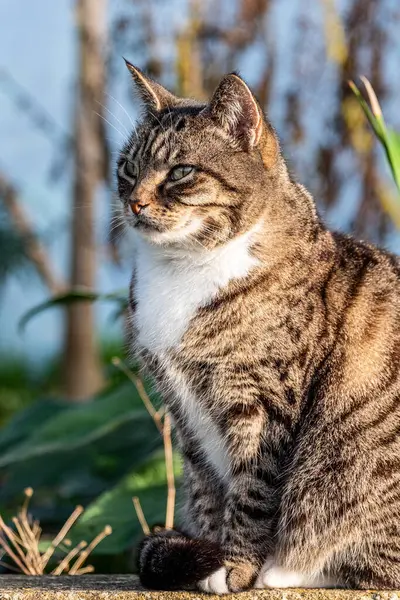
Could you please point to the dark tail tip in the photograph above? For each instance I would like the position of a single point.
(171, 562)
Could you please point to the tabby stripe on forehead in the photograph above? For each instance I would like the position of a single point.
(161, 145)
(169, 147)
(153, 135)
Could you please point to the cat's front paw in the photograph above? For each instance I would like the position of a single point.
(169, 560)
(156, 569)
(230, 578)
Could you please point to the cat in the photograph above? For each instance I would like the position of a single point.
(275, 344)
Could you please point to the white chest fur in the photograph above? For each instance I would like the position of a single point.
(168, 292)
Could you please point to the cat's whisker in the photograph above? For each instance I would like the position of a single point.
(110, 124)
(124, 109)
(116, 226)
(114, 116)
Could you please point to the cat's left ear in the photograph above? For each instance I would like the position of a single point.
(236, 110)
(153, 95)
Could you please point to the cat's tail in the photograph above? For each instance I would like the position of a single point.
(169, 560)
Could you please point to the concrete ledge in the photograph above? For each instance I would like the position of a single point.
(127, 587)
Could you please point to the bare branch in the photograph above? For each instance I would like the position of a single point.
(137, 382)
(169, 466)
(140, 515)
(61, 535)
(75, 569)
(34, 248)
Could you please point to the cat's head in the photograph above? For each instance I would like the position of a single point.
(196, 175)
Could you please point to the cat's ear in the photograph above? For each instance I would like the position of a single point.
(153, 95)
(234, 108)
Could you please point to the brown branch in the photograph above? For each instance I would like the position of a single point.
(137, 382)
(85, 570)
(75, 569)
(165, 430)
(61, 535)
(8, 533)
(33, 246)
(140, 515)
(169, 467)
(8, 550)
(64, 564)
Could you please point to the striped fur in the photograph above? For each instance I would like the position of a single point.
(276, 346)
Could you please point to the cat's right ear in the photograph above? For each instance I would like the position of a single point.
(234, 108)
(153, 95)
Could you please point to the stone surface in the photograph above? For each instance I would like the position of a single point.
(127, 587)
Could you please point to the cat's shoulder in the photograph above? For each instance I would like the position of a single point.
(351, 251)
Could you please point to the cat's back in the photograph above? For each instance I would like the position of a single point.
(361, 295)
(366, 279)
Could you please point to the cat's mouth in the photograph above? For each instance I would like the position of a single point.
(144, 223)
(160, 233)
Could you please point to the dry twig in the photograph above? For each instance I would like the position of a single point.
(67, 559)
(169, 467)
(22, 544)
(140, 515)
(165, 431)
(74, 570)
(137, 382)
(61, 535)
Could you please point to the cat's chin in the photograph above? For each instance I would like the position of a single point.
(179, 236)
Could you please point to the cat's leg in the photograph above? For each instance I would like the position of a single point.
(182, 559)
(247, 530)
(251, 498)
(334, 519)
(203, 514)
(372, 565)
(203, 506)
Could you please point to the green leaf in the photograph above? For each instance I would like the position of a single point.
(377, 123)
(75, 295)
(115, 507)
(82, 474)
(393, 151)
(84, 424)
(389, 139)
(26, 421)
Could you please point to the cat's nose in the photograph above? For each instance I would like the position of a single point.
(137, 206)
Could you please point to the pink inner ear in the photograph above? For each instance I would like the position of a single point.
(235, 109)
(250, 119)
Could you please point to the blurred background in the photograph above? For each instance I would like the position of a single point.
(73, 425)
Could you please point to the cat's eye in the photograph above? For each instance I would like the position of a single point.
(180, 172)
(130, 169)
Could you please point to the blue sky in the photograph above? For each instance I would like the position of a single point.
(37, 47)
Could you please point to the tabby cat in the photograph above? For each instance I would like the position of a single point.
(275, 344)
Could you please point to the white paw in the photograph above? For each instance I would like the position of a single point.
(272, 576)
(215, 583)
(277, 577)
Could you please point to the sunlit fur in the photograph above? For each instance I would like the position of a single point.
(224, 197)
(275, 345)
